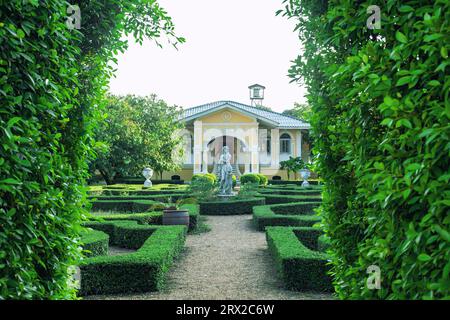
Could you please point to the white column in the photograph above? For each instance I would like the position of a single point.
(254, 152)
(198, 146)
(205, 159)
(298, 139)
(275, 147)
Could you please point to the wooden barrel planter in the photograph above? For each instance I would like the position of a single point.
(176, 217)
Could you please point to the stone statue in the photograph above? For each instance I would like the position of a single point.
(225, 171)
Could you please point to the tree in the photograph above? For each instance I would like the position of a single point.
(292, 165)
(138, 132)
(300, 111)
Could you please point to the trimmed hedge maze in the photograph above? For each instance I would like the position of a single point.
(290, 214)
(230, 207)
(140, 271)
(154, 217)
(301, 266)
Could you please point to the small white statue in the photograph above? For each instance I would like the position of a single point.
(147, 173)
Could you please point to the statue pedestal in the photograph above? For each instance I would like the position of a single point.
(225, 197)
(148, 184)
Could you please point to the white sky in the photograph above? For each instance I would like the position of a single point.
(229, 45)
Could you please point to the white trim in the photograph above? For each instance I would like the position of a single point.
(229, 106)
(215, 124)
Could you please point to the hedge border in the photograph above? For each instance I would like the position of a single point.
(282, 182)
(264, 216)
(160, 197)
(301, 268)
(279, 199)
(230, 207)
(154, 217)
(139, 180)
(140, 271)
(291, 192)
(94, 242)
(128, 192)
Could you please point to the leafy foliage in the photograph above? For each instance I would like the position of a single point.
(250, 178)
(202, 187)
(300, 111)
(137, 133)
(380, 102)
(52, 81)
(292, 165)
(248, 189)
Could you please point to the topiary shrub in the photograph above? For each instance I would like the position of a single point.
(150, 217)
(94, 243)
(229, 207)
(140, 271)
(250, 178)
(279, 198)
(293, 214)
(299, 264)
(263, 180)
(209, 177)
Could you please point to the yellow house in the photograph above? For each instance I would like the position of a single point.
(257, 139)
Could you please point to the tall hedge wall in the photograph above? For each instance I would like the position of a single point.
(39, 194)
(52, 80)
(380, 99)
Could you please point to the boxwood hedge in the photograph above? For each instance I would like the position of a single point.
(154, 217)
(278, 198)
(291, 192)
(299, 264)
(140, 271)
(140, 180)
(289, 182)
(95, 243)
(230, 207)
(291, 214)
(123, 205)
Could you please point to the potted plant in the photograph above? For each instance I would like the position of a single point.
(173, 214)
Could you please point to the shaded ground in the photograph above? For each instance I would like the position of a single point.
(229, 262)
(117, 251)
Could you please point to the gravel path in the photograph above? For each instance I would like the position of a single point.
(229, 262)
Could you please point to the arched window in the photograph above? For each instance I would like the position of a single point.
(285, 143)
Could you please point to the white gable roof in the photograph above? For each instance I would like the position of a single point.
(274, 118)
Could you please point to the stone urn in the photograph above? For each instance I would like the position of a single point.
(147, 173)
(305, 174)
(174, 216)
